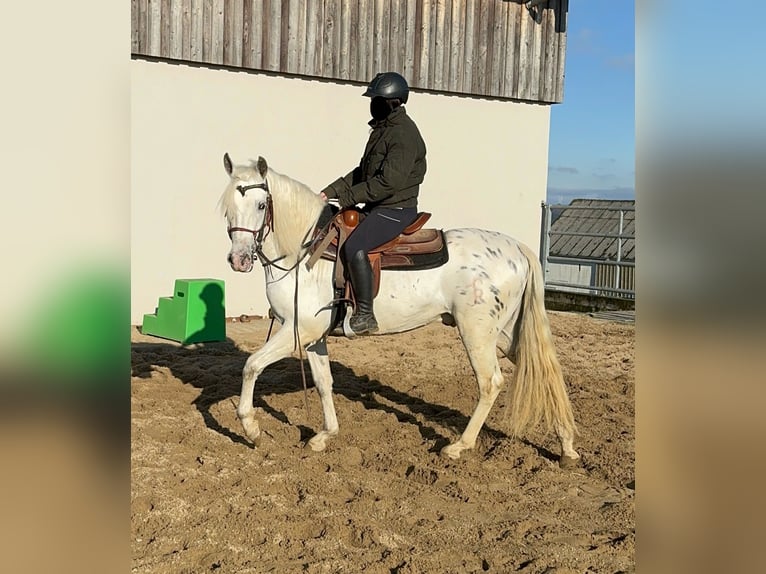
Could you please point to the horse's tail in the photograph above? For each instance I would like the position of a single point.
(538, 390)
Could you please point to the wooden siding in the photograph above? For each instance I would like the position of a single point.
(493, 48)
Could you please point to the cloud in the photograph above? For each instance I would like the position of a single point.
(604, 176)
(582, 41)
(563, 169)
(623, 62)
(564, 196)
(589, 42)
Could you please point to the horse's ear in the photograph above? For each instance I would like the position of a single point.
(227, 163)
(262, 166)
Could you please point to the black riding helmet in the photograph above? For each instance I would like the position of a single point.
(388, 85)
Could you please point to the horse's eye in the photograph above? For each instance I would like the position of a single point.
(262, 206)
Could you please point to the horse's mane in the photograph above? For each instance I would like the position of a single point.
(296, 207)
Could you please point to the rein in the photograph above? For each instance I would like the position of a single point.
(260, 235)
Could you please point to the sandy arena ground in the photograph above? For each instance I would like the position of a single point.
(380, 498)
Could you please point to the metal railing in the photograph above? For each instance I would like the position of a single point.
(618, 287)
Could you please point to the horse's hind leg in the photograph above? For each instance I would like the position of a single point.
(278, 347)
(481, 353)
(320, 372)
(569, 456)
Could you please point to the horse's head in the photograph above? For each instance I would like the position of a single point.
(246, 206)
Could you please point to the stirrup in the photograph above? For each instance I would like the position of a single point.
(338, 331)
(338, 306)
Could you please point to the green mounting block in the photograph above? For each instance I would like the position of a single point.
(194, 314)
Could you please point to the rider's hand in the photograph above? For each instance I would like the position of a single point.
(323, 196)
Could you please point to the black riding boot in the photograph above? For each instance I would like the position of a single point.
(363, 321)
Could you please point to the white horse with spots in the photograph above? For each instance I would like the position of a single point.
(491, 289)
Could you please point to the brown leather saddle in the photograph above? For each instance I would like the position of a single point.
(416, 248)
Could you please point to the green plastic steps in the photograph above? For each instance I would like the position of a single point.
(195, 313)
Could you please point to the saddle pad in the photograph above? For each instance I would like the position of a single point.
(426, 255)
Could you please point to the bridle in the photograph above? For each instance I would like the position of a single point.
(263, 231)
(260, 234)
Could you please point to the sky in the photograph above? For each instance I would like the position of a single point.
(592, 133)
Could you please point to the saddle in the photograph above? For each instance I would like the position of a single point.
(415, 248)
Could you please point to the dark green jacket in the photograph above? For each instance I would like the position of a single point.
(391, 169)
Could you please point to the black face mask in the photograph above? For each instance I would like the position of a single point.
(379, 108)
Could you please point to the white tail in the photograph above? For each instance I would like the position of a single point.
(538, 390)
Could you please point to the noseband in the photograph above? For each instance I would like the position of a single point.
(263, 231)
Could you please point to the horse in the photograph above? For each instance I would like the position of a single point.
(490, 288)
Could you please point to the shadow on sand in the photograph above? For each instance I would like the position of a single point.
(216, 369)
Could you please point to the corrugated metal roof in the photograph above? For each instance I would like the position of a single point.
(604, 217)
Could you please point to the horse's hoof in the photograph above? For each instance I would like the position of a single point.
(451, 451)
(568, 462)
(251, 428)
(256, 441)
(254, 437)
(316, 446)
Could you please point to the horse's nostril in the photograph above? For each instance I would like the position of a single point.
(229, 259)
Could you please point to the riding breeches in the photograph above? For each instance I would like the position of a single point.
(381, 225)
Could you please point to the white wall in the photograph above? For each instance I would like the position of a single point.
(487, 164)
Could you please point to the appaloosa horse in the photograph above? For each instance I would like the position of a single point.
(491, 288)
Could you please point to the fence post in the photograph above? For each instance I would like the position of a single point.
(545, 238)
(619, 253)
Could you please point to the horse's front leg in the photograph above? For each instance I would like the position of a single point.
(320, 371)
(277, 348)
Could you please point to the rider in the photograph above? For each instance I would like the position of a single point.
(387, 181)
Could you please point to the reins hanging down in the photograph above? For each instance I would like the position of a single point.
(259, 236)
(296, 332)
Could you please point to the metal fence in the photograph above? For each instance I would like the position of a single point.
(609, 276)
